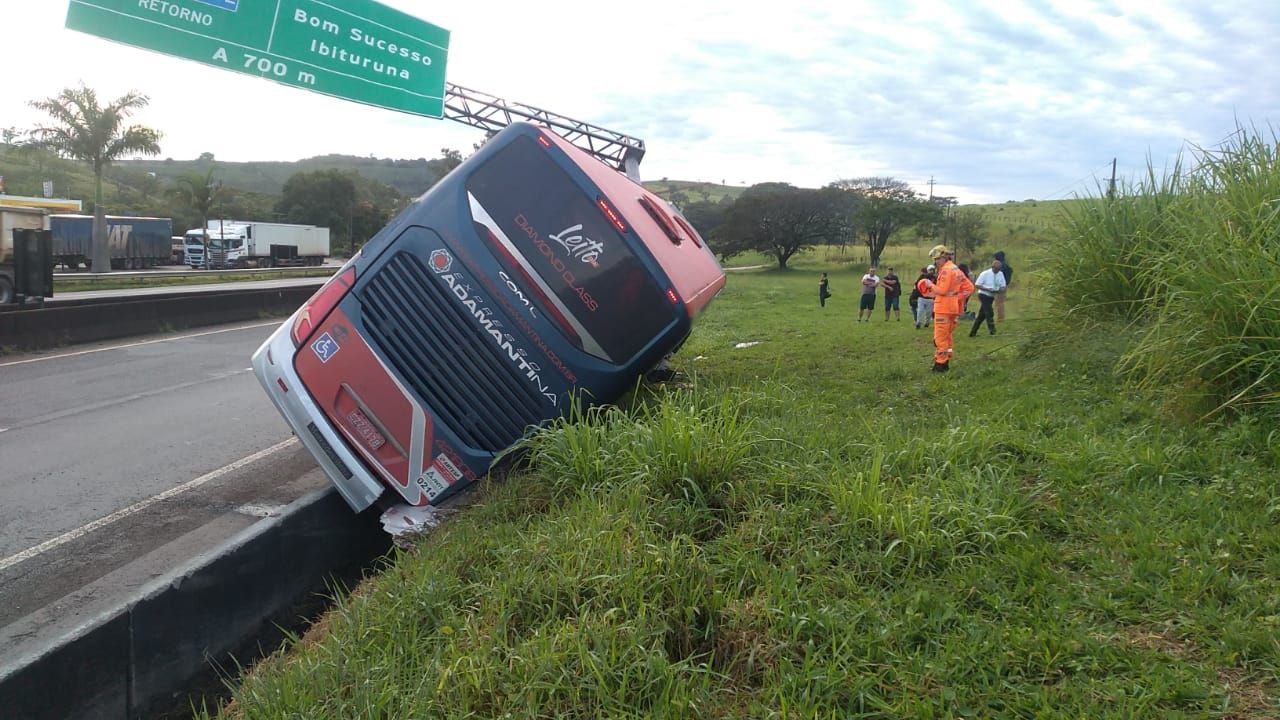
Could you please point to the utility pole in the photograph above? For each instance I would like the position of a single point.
(1111, 189)
(930, 188)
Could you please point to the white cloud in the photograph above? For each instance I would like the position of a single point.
(996, 100)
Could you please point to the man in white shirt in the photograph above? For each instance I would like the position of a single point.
(867, 305)
(990, 284)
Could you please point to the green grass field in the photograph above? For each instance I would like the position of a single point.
(816, 526)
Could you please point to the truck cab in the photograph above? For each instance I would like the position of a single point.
(194, 251)
(236, 241)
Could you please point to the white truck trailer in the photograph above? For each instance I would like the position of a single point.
(238, 243)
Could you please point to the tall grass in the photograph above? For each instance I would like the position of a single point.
(1192, 257)
(1108, 244)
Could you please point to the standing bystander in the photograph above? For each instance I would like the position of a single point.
(913, 300)
(924, 310)
(1007, 270)
(892, 295)
(823, 291)
(870, 282)
(964, 311)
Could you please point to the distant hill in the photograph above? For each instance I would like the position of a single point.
(130, 182)
(23, 174)
(410, 178)
(1033, 217)
(684, 191)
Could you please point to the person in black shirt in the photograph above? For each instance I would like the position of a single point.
(1007, 271)
(964, 313)
(914, 298)
(823, 292)
(892, 295)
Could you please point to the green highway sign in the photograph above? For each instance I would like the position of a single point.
(354, 49)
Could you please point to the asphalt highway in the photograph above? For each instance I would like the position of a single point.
(123, 460)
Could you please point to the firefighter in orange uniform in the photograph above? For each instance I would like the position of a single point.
(949, 292)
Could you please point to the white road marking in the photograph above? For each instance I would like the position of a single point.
(142, 505)
(261, 511)
(139, 344)
(70, 412)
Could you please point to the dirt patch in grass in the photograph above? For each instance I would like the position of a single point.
(1249, 695)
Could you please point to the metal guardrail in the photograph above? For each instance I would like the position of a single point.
(90, 277)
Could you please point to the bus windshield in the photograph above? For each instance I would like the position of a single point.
(548, 231)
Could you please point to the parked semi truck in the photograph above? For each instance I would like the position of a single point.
(193, 242)
(15, 218)
(240, 243)
(134, 242)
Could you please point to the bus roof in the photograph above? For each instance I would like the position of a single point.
(692, 267)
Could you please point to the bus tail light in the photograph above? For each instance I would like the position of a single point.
(320, 305)
(612, 214)
(671, 295)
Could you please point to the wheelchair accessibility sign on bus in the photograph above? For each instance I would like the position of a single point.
(325, 347)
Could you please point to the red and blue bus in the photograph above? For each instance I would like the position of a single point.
(531, 278)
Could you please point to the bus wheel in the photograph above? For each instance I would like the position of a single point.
(6, 290)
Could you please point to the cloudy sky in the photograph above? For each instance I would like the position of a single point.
(994, 100)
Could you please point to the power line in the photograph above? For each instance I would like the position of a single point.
(1071, 185)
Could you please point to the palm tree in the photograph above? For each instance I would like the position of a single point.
(86, 131)
(200, 194)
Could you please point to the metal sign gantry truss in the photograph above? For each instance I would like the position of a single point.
(492, 113)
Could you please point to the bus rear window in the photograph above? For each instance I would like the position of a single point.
(546, 229)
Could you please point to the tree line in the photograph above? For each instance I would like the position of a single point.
(780, 220)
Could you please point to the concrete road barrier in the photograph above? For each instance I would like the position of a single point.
(90, 322)
(144, 658)
(158, 275)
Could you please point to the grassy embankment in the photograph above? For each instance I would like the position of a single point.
(816, 526)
